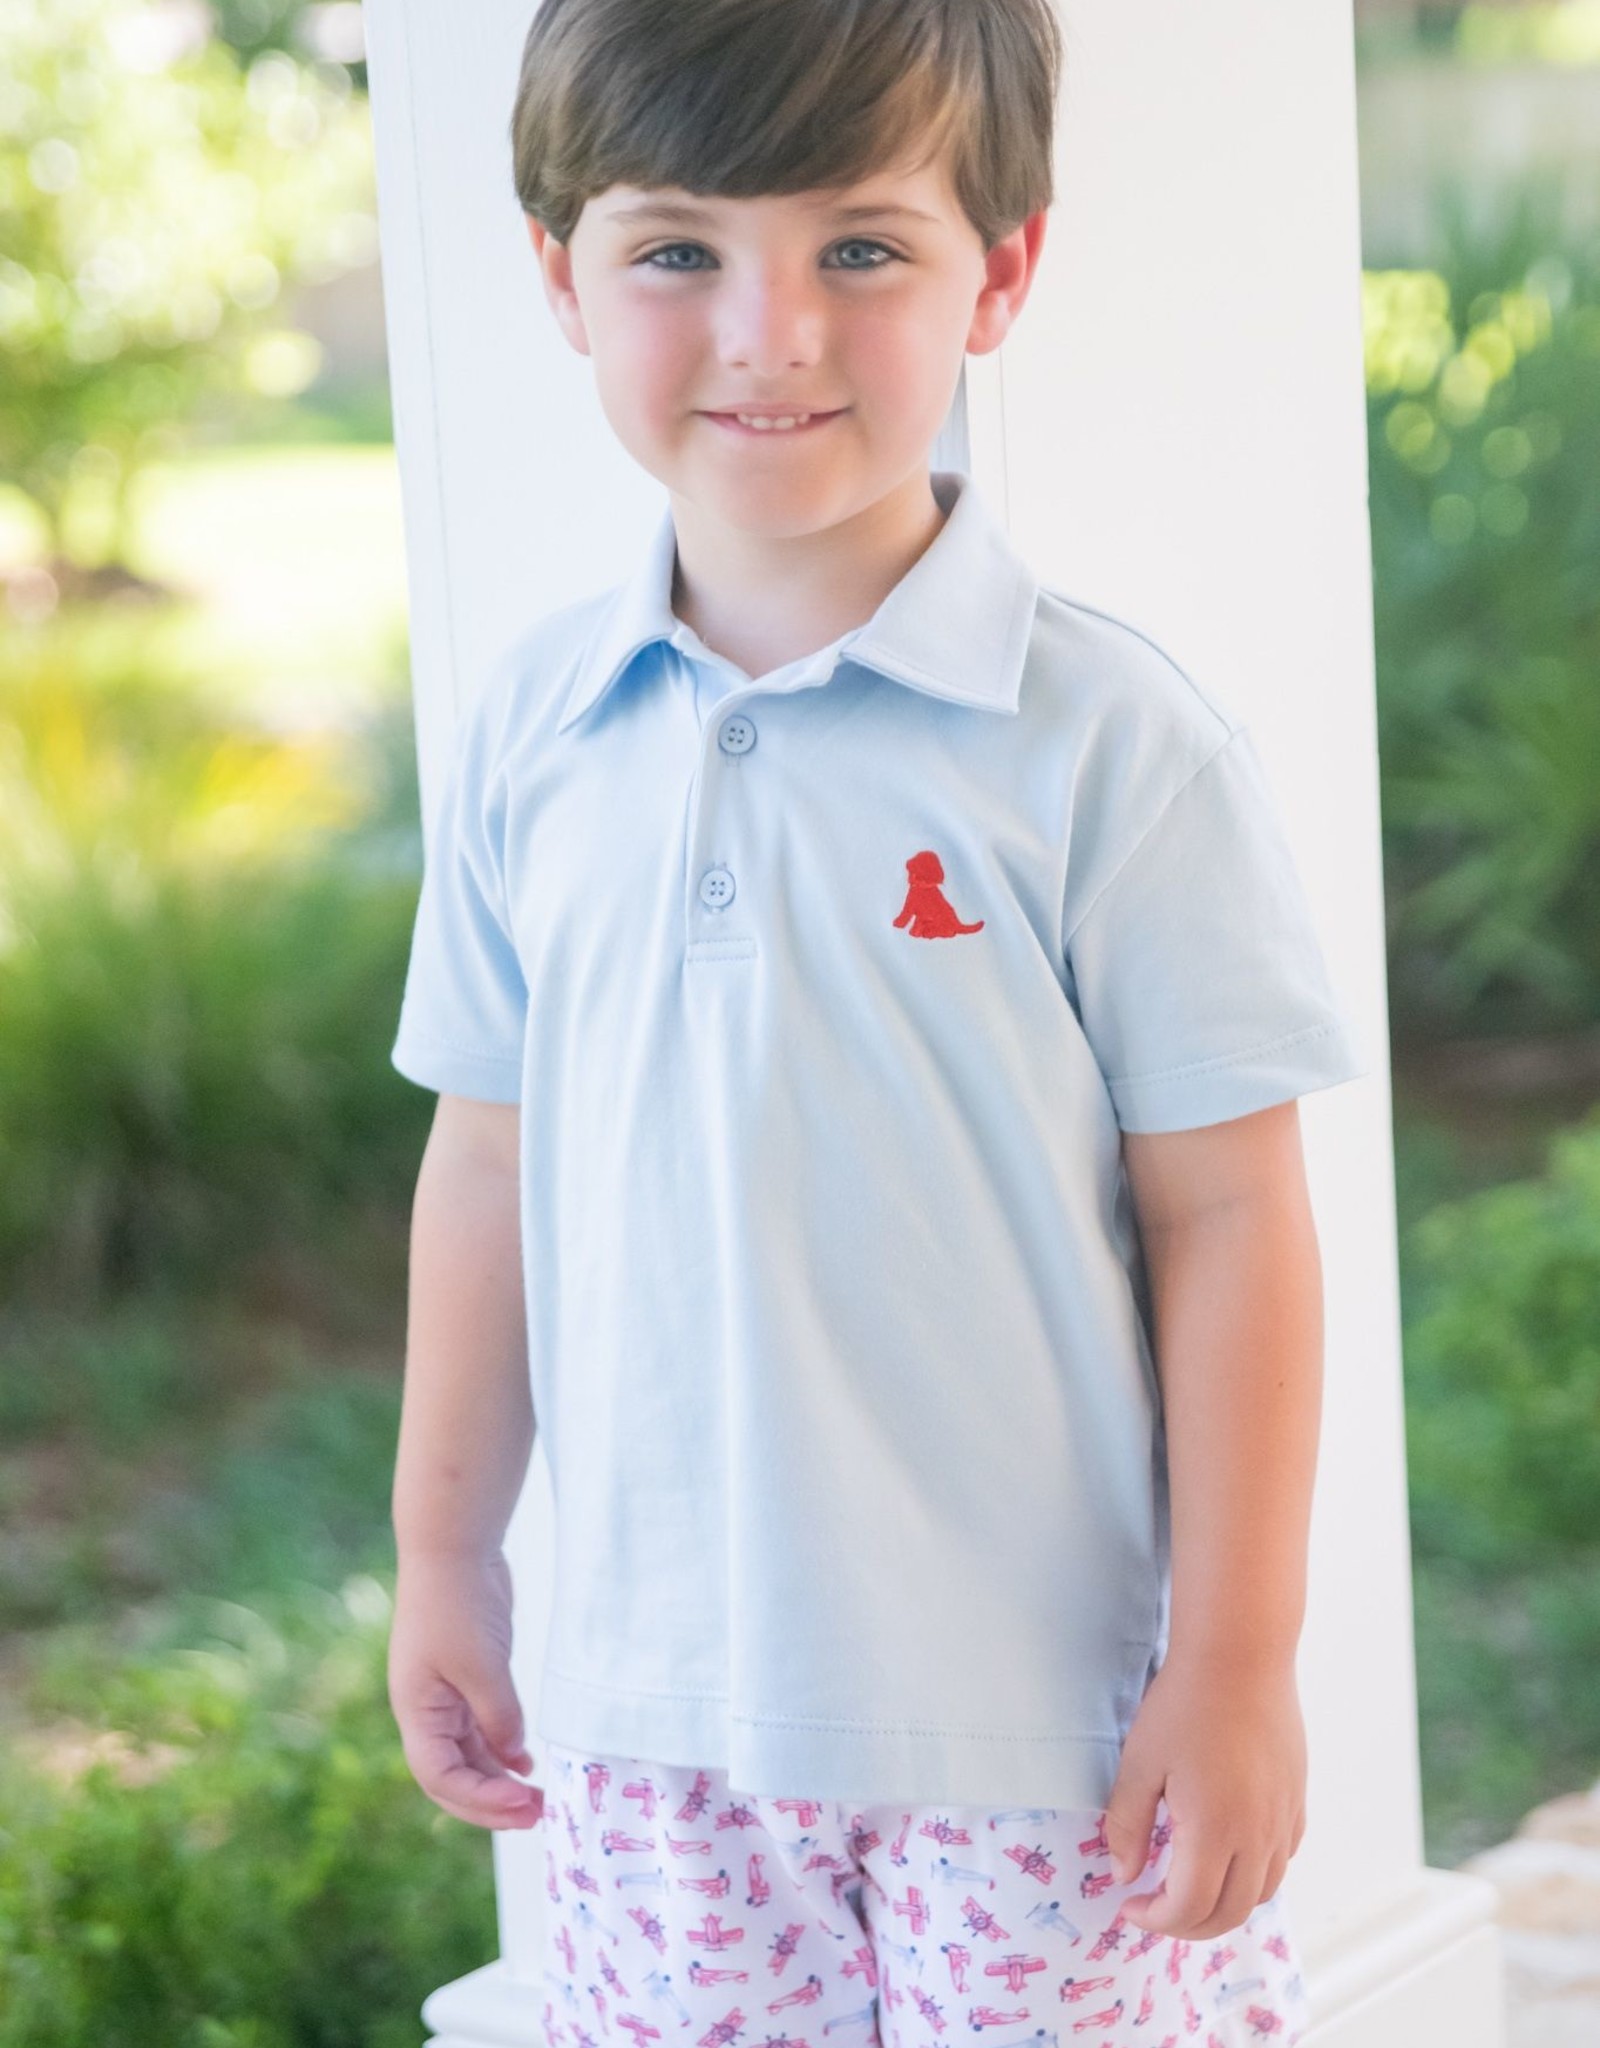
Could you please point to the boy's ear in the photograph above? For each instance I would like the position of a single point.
(1008, 274)
(555, 273)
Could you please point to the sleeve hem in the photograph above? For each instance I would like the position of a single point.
(448, 1069)
(1212, 1091)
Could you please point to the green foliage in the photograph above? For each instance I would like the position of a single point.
(1502, 1390)
(122, 1375)
(251, 26)
(1484, 436)
(1484, 460)
(1505, 1693)
(157, 198)
(203, 935)
(1564, 32)
(174, 1444)
(1503, 1368)
(215, 1842)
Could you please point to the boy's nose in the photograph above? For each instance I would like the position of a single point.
(768, 326)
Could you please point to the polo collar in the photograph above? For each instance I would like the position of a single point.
(956, 625)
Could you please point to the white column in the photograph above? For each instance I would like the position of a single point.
(1177, 435)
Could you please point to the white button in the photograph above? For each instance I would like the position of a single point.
(716, 888)
(738, 734)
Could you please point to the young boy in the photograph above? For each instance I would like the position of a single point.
(868, 994)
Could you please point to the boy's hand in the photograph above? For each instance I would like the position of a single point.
(1223, 1741)
(450, 1688)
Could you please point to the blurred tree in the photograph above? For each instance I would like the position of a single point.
(157, 195)
(315, 28)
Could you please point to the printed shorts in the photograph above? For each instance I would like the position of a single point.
(681, 1911)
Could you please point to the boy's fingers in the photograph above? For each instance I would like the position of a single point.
(479, 1817)
(460, 1776)
(459, 1745)
(496, 1723)
(467, 1793)
(1241, 1893)
(1129, 1832)
(1187, 1896)
(468, 1786)
(483, 1757)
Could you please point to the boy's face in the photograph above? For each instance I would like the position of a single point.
(854, 304)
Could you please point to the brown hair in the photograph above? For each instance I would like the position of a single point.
(744, 98)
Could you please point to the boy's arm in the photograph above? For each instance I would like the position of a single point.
(467, 1422)
(1236, 1287)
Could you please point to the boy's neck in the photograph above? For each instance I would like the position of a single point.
(762, 603)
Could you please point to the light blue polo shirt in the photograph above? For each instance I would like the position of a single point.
(826, 1000)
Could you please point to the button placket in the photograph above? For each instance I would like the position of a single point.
(714, 883)
(711, 881)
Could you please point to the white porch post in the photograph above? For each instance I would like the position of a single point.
(1177, 433)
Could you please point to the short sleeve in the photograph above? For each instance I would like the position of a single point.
(1196, 971)
(464, 1008)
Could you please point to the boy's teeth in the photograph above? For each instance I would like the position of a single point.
(746, 419)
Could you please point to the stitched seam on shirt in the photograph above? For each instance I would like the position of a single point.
(469, 1052)
(1078, 604)
(1199, 770)
(909, 1728)
(1232, 1059)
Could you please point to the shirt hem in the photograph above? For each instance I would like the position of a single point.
(870, 1762)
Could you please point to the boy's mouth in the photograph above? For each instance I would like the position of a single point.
(772, 425)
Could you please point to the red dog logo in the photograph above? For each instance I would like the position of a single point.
(925, 909)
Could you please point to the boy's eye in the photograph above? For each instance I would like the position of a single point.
(649, 260)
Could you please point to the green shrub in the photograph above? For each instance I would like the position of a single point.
(1502, 1390)
(247, 1863)
(1505, 1694)
(1502, 1355)
(1484, 458)
(203, 935)
(151, 1451)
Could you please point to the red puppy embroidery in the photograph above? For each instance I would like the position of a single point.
(926, 911)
